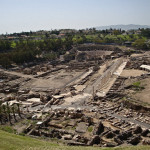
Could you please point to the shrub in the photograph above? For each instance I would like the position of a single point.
(137, 86)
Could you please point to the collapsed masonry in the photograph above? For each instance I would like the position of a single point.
(89, 128)
(74, 112)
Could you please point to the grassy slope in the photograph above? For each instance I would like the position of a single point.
(9, 141)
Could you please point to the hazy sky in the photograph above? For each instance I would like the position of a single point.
(26, 15)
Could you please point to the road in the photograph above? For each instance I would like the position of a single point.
(105, 80)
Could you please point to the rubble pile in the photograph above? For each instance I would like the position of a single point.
(136, 62)
(88, 128)
(10, 83)
(82, 103)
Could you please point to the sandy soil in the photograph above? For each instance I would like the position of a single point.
(54, 80)
(74, 99)
(144, 95)
(140, 55)
(132, 72)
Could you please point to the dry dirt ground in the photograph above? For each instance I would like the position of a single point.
(54, 80)
(132, 73)
(143, 95)
(140, 55)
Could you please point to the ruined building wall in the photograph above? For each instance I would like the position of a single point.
(109, 73)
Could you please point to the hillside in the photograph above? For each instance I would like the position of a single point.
(12, 142)
(123, 27)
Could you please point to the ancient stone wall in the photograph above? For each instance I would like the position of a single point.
(107, 75)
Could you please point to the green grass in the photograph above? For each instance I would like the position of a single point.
(90, 128)
(9, 141)
(137, 86)
(8, 129)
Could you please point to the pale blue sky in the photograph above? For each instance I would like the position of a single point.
(26, 15)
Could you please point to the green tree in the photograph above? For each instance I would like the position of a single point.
(9, 112)
(140, 44)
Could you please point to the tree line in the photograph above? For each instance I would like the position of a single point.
(26, 50)
(29, 50)
(9, 113)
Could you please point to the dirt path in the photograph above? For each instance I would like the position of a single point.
(132, 72)
(107, 86)
(92, 82)
(106, 79)
(77, 79)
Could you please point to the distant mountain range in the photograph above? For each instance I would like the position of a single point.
(123, 27)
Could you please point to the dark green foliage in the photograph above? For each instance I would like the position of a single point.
(5, 45)
(26, 51)
(140, 44)
(145, 32)
(39, 45)
(50, 56)
(8, 113)
(8, 129)
(69, 57)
